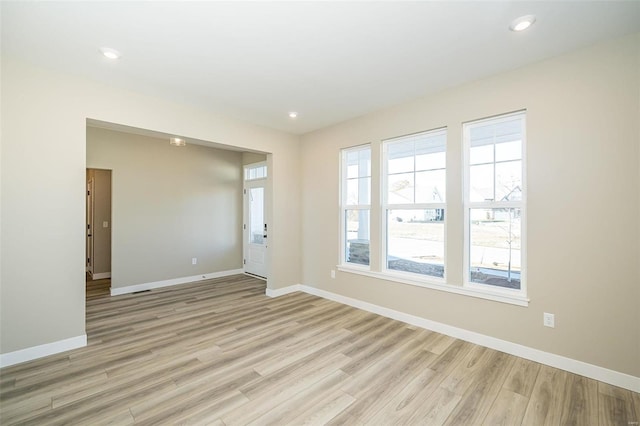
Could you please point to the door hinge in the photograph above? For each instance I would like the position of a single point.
(245, 192)
(88, 192)
(244, 226)
(244, 261)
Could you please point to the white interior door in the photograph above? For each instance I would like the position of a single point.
(255, 229)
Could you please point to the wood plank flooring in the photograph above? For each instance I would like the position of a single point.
(220, 352)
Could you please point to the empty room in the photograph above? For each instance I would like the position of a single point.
(358, 213)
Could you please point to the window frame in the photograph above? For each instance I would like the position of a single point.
(385, 207)
(378, 208)
(344, 207)
(518, 295)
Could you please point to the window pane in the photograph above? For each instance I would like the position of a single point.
(481, 154)
(481, 183)
(352, 171)
(364, 157)
(400, 188)
(256, 172)
(364, 193)
(509, 151)
(357, 236)
(261, 172)
(509, 181)
(358, 163)
(415, 241)
(352, 191)
(352, 164)
(437, 160)
(400, 156)
(358, 191)
(256, 222)
(430, 151)
(431, 186)
(495, 247)
(496, 132)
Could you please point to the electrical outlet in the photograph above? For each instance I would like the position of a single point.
(194, 260)
(549, 320)
(333, 273)
(105, 224)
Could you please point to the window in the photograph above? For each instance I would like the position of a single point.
(356, 205)
(407, 185)
(494, 202)
(255, 171)
(414, 192)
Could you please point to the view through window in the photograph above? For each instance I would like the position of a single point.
(415, 192)
(494, 200)
(356, 204)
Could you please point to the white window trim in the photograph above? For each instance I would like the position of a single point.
(344, 207)
(392, 274)
(498, 294)
(520, 294)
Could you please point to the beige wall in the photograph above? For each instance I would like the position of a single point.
(43, 171)
(252, 157)
(583, 118)
(100, 234)
(170, 205)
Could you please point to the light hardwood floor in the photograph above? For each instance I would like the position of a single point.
(220, 352)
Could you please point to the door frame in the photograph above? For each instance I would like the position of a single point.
(91, 185)
(247, 185)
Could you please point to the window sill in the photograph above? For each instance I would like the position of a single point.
(504, 296)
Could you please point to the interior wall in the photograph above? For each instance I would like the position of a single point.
(253, 157)
(583, 113)
(43, 172)
(100, 233)
(171, 204)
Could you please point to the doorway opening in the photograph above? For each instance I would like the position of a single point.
(255, 227)
(98, 231)
(180, 220)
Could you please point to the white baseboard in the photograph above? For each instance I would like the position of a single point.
(34, 352)
(285, 290)
(174, 281)
(101, 276)
(571, 365)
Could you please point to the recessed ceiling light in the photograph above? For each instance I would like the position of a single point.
(293, 114)
(177, 142)
(522, 23)
(110, 53)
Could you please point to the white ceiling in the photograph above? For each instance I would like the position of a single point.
(330, 61)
